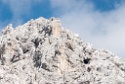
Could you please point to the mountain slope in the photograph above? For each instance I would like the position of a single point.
(42, 52)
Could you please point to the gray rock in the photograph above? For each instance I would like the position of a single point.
(42, 52)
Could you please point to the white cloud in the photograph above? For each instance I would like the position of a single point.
(103, 29)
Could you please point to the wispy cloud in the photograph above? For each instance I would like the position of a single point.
(103, 29)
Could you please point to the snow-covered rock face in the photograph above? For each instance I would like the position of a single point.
(43, 52)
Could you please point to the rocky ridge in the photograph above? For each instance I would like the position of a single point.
(42, 52)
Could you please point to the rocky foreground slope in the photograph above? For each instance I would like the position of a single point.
(43, 52)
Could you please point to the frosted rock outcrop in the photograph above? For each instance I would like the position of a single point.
(42, 52)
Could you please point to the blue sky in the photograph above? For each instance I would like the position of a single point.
(100, 22)
(105, 5)
(44, 8)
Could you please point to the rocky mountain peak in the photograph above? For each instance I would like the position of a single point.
(43, 52)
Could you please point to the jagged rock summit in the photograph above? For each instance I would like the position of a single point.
(42, 52)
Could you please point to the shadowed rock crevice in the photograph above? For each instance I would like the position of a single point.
(2, 50)
(87, 60)
(37, 59)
